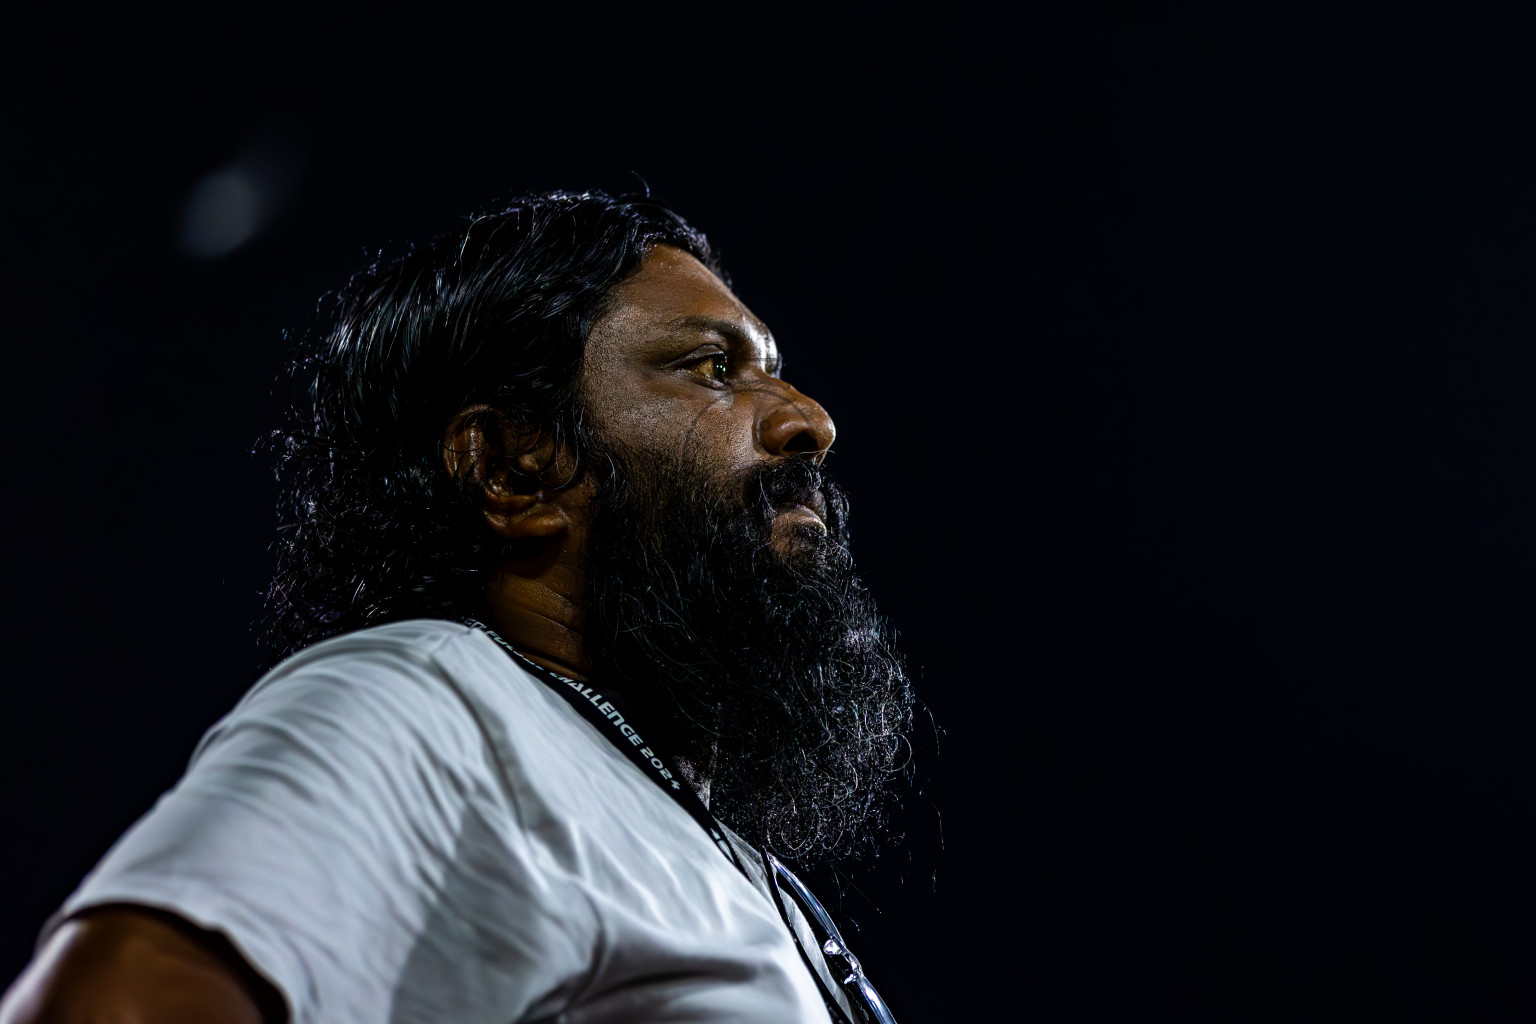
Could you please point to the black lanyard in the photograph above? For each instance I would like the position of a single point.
(616, 721)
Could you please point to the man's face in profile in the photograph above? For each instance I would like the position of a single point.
(678, 364)
(718, 579)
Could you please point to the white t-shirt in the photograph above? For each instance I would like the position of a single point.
(402, 825)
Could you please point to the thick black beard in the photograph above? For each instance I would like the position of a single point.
(773, 673)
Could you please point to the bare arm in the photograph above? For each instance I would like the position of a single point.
(133, 965)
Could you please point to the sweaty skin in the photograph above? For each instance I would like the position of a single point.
(676, 360)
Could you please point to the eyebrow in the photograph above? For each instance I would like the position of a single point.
(730, 330)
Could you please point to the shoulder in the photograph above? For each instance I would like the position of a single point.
(436, 654)
(352, 828)
(411, 642)
(424, 680)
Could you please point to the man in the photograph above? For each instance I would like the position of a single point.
(564, 569)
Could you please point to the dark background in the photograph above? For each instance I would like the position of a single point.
(1183, 366)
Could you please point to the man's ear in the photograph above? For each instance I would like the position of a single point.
(516, 501)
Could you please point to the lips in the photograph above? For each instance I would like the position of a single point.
(811, 505)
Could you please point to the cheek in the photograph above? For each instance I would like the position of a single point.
(725, 434)
(720, 433)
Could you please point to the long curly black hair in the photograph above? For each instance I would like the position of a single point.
(373, 528)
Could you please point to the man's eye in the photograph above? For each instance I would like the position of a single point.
(715, 366)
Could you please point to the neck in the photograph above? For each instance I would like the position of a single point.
(537, 609)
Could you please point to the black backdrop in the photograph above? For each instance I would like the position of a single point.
(1183, 369)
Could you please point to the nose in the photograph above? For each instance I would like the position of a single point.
(792, 424)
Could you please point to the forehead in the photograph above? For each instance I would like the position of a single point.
(673, 294)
